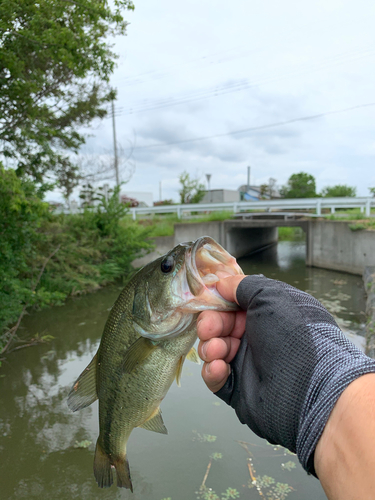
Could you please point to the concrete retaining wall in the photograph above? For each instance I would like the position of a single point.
(162, 245)
(333, 245)
(238, 241)
(369, 280)
(190, 232)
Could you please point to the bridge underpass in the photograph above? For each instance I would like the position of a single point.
(245, 234)
(330, 244)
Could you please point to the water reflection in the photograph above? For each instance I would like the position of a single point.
(38, 432)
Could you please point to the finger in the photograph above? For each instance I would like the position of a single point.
(221, 324)
(216, 348)
(227, 287)
(215, 324)
(239, 324)
(219, 348)
(215, 374)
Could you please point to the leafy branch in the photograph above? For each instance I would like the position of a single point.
(12, 332)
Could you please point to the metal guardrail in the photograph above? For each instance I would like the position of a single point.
(316, 204)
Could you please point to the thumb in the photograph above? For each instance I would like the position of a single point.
(227, 287)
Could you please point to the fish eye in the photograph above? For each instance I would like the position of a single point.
(167, 264)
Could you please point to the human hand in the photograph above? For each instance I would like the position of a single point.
(283, 367)
(220, 334)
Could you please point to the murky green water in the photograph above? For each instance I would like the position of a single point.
(38, 433)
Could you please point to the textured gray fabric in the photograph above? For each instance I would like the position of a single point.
(291, 367)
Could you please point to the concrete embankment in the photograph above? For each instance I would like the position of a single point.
(238, 240)
(369, 280)
(333, 245)
(162, 245)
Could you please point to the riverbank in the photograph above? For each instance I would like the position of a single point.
(46, 258)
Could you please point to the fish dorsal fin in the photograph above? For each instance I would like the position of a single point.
(83, 392)
(155, 423)
(192, 355)
(137, 353)
(179, 370)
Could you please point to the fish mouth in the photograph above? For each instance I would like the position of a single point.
(206, 262)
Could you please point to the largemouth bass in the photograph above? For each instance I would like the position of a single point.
(150, 331)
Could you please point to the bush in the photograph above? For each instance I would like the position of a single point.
(94, 248)
(22, 213)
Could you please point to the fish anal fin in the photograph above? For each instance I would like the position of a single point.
(155, 423)
(137, 353)
(192, 355)
(102, 468)
(179, 370)
(83, 392)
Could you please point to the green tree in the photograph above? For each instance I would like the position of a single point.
(372, 191)
(192, 191)
(301, 185)
(44, 258)
(339, 190)
(56, 61)
(22, 212)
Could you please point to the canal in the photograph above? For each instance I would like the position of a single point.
(46, 452)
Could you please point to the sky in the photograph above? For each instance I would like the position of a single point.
(215, 87)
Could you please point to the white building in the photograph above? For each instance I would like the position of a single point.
(220, 196)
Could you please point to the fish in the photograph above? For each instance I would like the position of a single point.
(149, 333)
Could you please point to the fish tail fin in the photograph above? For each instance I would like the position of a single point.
(102, 467)
(123, 473)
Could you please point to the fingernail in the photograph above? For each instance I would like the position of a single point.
(208, 368)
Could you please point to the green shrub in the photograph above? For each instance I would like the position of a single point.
(22, 213)
(94, 248)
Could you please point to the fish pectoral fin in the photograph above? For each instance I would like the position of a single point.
(137, 353)
(179, 370)
(155, 423)
(192, 355)
(83, 392)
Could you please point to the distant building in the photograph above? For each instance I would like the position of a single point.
(143, 199)
(255, 193)
(220, 196)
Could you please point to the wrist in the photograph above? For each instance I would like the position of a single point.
(345, 457)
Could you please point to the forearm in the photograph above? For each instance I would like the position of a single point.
(345, 454)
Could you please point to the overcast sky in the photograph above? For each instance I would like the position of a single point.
(206, 87)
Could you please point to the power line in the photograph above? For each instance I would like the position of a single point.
(244, 85)
(164, 72)
(260, 127)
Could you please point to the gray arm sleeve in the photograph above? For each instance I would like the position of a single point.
(292, 365)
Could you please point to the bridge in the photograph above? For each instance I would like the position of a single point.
(315, 204)
(329, 244)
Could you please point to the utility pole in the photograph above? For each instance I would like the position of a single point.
(248, 178)
(115, 143)
(208, 177)
(160, 198)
